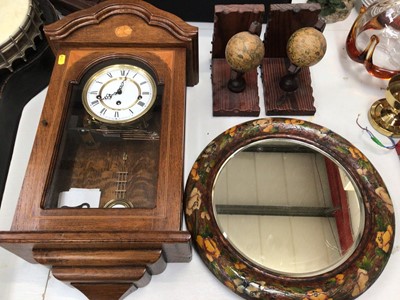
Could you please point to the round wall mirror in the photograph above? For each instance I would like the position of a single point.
(286, 209)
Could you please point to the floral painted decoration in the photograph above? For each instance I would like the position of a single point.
(346, 281)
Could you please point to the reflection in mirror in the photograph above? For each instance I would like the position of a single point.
(288, 207)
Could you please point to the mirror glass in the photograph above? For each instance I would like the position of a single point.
(288, 207)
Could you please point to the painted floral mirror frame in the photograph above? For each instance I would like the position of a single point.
(347, 281)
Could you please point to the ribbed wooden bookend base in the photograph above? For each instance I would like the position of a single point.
(283, 20)
(227, 103)
(279, 102)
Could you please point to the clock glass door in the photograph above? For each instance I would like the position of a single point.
(110, 146)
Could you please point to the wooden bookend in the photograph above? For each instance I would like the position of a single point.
(229, 20)
(283, 21)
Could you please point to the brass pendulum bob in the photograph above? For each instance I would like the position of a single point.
(384, 114)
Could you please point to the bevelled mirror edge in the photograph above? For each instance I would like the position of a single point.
(277, 191)
(352, 278)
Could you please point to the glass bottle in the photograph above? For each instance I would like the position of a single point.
(374, 38)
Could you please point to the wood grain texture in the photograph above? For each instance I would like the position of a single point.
(229, 20)
(100, 167)
(227, 103)
(101, 291)
(170, 66)
(104, 264)
(278, 102)
(283, 20)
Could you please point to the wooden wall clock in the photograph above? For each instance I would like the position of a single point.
(101, 202)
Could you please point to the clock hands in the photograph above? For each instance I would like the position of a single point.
(119, 91)
(108, 96)
(119, 94)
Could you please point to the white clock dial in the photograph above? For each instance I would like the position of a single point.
(119, 94)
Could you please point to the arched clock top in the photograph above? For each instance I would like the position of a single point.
(126, 23)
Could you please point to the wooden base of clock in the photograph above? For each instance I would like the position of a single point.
(279, 102)
(283, 21)
(229, 20)
(102, 265)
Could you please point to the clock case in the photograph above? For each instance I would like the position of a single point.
(121, 160)
(108, 253)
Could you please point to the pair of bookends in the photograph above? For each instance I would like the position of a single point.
(285, 74)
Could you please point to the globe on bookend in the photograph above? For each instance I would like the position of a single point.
(305, 48)
(244, 52)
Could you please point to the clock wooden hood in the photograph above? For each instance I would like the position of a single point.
(127, 23)
(107, 253)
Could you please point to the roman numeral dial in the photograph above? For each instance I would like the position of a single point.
(119, 93)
